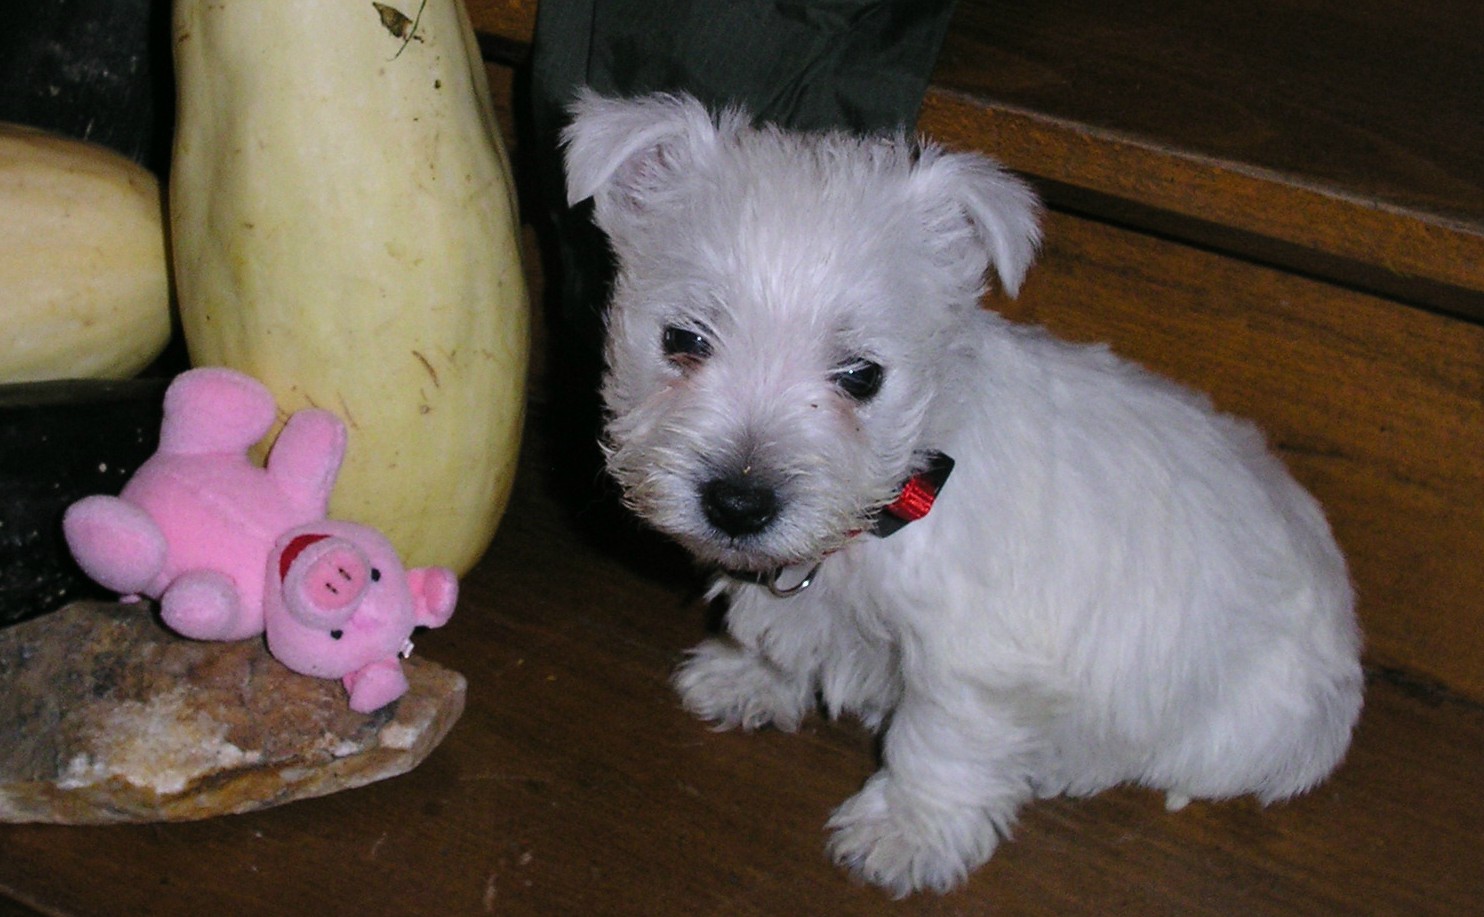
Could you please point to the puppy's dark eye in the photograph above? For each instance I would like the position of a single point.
(683, 345)
(860, 380)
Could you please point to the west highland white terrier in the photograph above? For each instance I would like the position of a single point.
(1037, 568)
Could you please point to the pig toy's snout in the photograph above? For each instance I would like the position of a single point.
(324, 579)
(335, 580)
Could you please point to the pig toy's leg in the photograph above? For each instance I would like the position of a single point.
(306, 459)
(205, 605)
(115, 543)
(376, 685)
(213, 410)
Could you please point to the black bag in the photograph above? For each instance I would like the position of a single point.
(862, 65)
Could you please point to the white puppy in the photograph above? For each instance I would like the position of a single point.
(1116, 584)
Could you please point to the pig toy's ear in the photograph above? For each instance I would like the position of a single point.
(435, 592)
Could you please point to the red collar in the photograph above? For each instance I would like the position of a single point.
(916, 497)
(914, 501)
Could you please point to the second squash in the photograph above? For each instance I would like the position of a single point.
(344, 229)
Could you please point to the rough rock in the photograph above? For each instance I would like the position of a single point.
(106, 717)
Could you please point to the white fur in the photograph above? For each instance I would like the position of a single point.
(1118, 584)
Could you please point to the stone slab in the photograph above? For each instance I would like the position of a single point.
(105, 717)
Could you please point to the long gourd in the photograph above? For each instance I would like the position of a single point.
(84, 274)
(344, 229)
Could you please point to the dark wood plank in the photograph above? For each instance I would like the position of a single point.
(1342, 139)
(1267, 217)
(9, 907)
(511, 20)
(1376, 100)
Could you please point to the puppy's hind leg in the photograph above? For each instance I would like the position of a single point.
(729, 685)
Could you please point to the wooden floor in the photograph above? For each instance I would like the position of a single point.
(574, 784)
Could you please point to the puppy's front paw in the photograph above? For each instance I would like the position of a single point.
(724, 684)
(903, 844)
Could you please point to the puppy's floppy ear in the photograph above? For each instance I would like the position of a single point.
(981, 216)
(622, 151)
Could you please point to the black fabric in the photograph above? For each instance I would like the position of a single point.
(96, 70)
(809, 64)
(806, 64)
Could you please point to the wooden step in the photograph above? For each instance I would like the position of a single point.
(1341, 140)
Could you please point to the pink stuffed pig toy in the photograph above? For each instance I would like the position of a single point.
(196, 524)
(338, 604)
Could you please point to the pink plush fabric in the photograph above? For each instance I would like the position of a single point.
(194, 525)
(204, 530)
(339, 605)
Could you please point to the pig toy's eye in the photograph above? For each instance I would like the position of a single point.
(336, 634)
(375, 575)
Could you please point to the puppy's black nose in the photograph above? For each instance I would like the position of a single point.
(738, 507)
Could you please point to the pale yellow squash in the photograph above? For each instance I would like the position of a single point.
(84, 272)
(344, 229)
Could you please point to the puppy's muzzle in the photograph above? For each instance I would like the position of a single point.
(739, 507)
